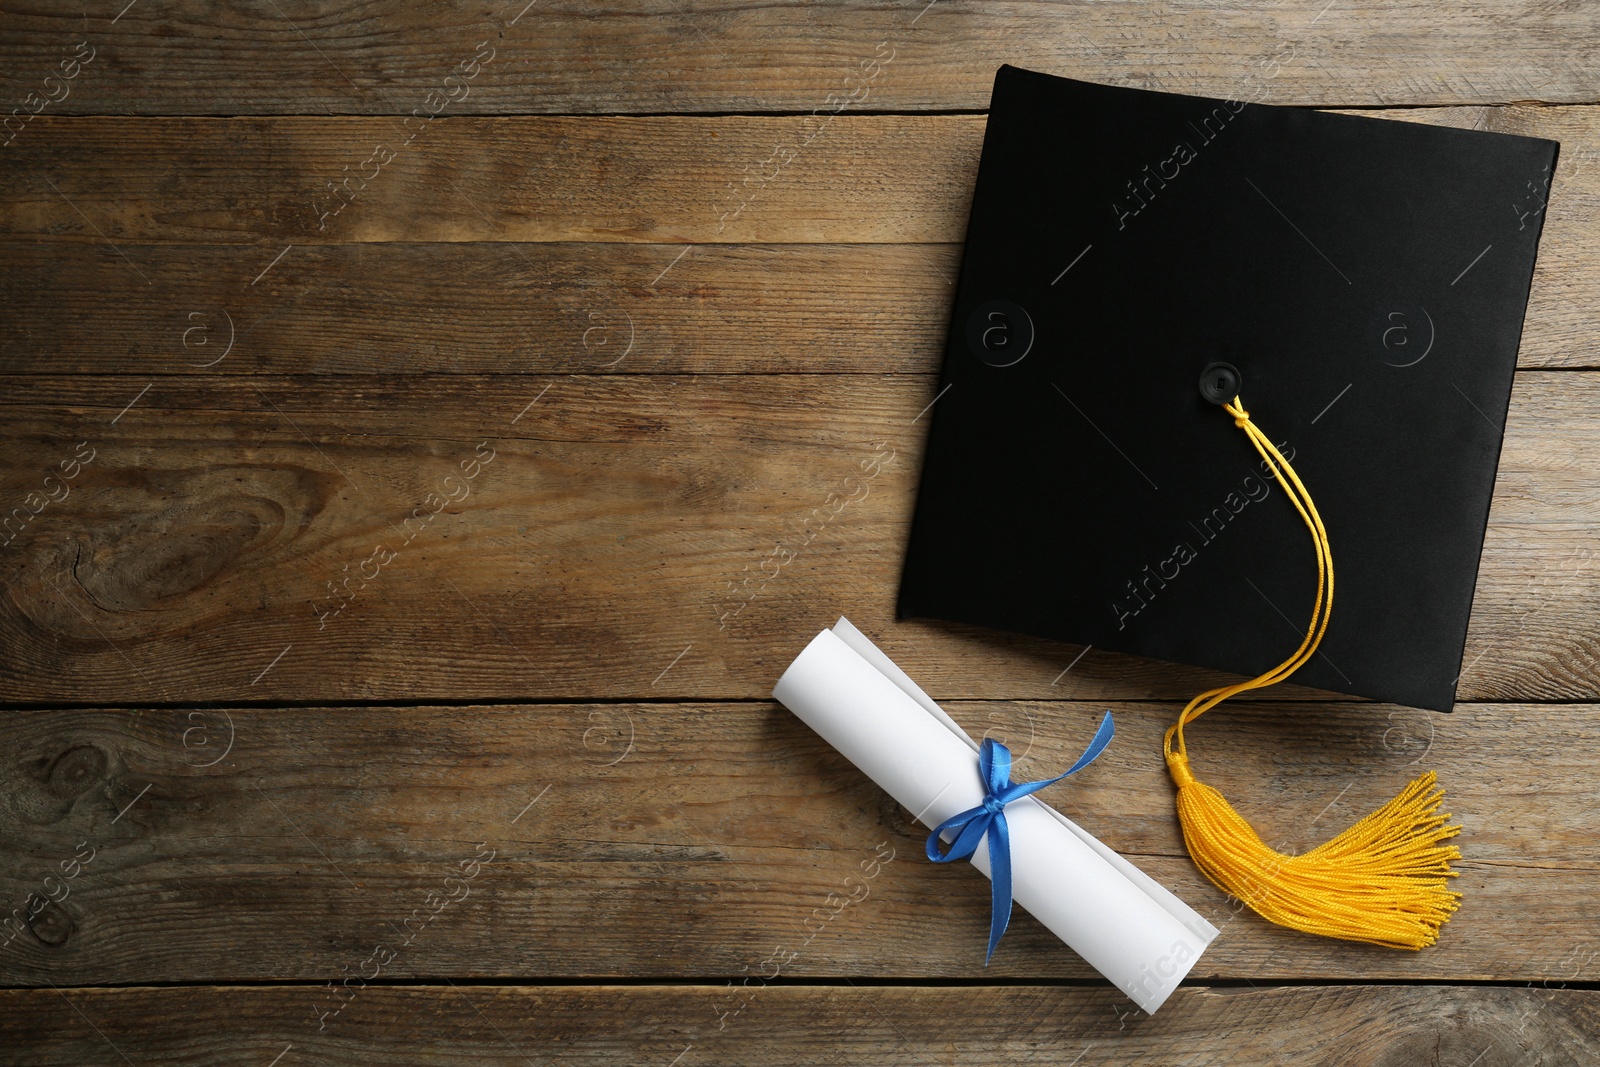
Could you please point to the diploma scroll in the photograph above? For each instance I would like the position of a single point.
(1132, 930)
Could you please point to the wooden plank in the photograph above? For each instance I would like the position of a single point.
(743, 56)
(780, 1025)
(143, 243)
(688, 839)
(491, 308)
(637, 536)
(668, 180)
(664, 180)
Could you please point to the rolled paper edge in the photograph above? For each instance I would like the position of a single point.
(1157, 978)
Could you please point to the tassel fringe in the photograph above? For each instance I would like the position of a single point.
(1383, 881)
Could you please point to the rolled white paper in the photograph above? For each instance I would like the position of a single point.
(1130, 929)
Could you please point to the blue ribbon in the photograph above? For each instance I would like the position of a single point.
(994, 769)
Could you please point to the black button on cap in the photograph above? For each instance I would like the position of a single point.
(1219, 382)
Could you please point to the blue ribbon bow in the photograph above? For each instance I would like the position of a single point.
(994, 768)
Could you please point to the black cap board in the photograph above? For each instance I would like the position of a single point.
(1134, 256)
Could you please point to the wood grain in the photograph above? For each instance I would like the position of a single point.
(514, 1026)
(663, 180)
(613, 547)
(857, 179)
(298, 57)
(234, 230)
(490, 308)
(692, 839)
(323, 420)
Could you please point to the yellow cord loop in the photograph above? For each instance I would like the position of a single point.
(1382, 881)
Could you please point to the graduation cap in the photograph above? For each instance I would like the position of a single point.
(1199, 350)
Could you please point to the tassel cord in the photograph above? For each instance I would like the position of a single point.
(1172, 744)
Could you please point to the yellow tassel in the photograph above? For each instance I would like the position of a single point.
(1382, 881)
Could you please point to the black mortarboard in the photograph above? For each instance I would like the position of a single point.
(1146, 276)
(1366, 279)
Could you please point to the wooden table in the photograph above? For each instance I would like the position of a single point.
(411, 417)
